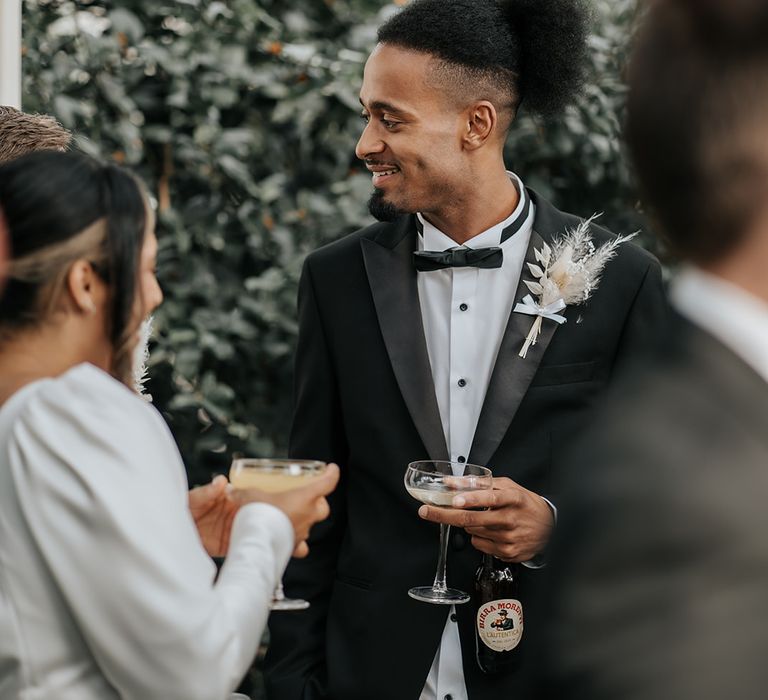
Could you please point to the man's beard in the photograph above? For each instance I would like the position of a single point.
(381, 209)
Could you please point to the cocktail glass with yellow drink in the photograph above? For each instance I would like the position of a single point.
(276, 476)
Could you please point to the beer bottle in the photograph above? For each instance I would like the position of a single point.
(498, 615)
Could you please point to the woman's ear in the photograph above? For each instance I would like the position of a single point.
(83, 285)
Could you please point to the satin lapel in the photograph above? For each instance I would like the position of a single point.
(512, 374)
(392, 276)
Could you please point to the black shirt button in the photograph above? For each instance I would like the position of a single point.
(448, 697)
(461, 459)
(462, 383)
(454, 617)
(463, 307)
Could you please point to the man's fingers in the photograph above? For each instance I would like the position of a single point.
(497, 534)
(457, 518)
(505, 552)
(489, 520)
(491, 498)
(504, 482)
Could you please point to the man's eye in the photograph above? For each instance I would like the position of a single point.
(365, 117)
(389, 124)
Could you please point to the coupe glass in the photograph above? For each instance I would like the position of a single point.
(436, 483)
(275, 476)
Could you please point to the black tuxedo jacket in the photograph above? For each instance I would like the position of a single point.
(660, 571)
(365, 399)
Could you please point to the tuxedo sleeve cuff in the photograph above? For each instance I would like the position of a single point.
(539, 561)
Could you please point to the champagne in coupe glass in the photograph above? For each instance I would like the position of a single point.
(436, 483)
(275, 476)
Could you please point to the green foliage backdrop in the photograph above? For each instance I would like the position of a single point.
(242, 118)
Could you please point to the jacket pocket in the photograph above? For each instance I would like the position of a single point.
(551, 375)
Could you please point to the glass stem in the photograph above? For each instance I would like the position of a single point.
(279, 593)
(439, 584)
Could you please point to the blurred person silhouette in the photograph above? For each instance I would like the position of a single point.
(660, 584)
(106, 590)
(22, 133)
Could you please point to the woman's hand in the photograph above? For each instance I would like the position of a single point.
(213, 510)
(304, 506)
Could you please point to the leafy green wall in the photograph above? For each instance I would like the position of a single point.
(242, 117)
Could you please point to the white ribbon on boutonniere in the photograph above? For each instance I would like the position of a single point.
(568, 272)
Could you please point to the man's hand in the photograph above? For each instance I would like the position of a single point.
(213, 510)
(515, 528)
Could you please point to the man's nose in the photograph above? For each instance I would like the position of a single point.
(368, 143)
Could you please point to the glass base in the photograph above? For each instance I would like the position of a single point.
(449, 596)
(289, 604)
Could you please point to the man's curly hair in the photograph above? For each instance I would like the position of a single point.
(22, 133)
(507, 51)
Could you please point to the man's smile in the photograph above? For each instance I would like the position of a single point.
(381, 172)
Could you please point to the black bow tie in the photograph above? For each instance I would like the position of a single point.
(484, 258)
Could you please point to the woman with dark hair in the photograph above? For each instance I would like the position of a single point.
(106, 590)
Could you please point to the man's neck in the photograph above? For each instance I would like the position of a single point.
(485, 206)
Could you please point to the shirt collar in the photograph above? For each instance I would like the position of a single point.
(735, 317)
(433, 238)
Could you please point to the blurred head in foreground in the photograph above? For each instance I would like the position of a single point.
(22, 133)
(81, 276)
(697, 128)
(662, 564)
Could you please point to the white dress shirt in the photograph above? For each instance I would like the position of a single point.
(735, 317)
(465, 313)
(106, 591)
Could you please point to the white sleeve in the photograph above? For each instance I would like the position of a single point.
(101, 484)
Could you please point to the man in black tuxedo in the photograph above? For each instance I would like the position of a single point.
(409, 348)
(660, 575)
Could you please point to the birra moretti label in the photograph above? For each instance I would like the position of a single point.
(500, 624)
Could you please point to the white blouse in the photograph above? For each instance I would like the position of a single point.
(105, 588)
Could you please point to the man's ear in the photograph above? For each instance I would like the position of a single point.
(482, 121)
(81, 284)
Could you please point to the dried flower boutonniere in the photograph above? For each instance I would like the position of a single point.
(568, 272)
